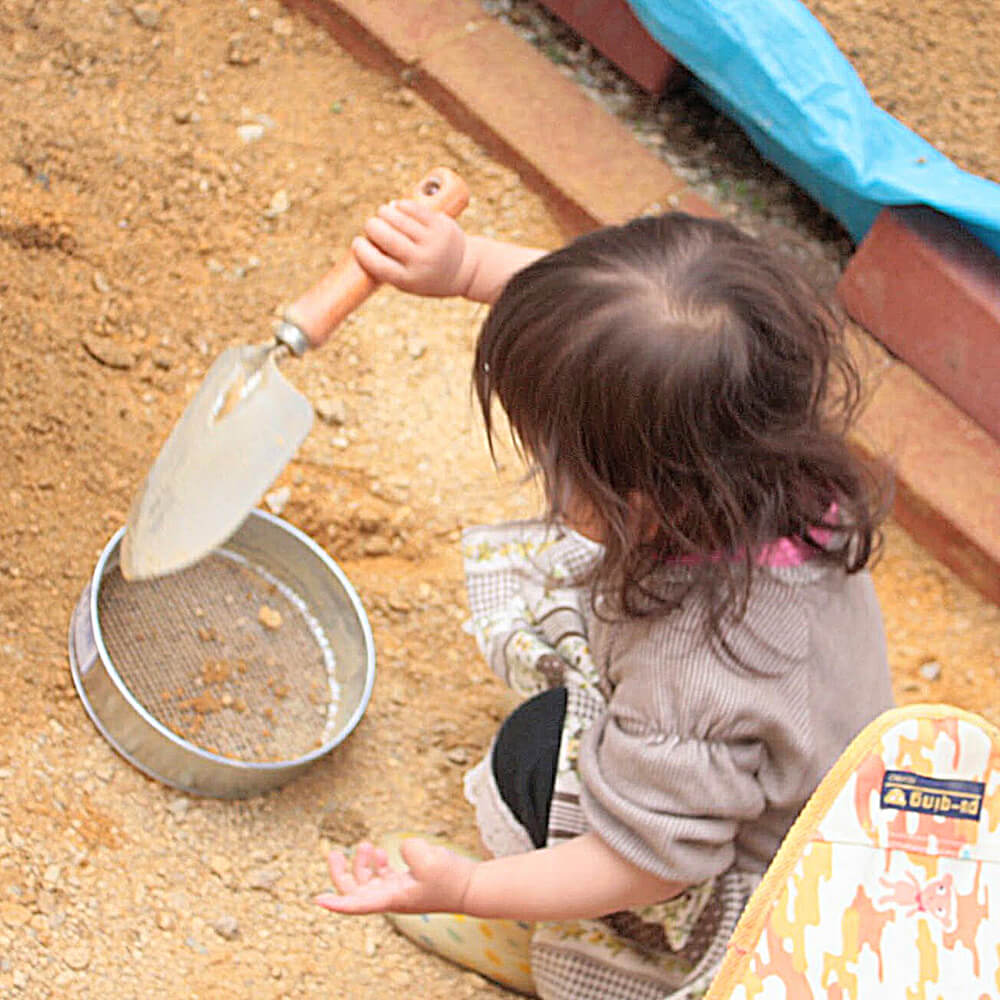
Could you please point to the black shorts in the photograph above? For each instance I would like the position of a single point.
(525, 757)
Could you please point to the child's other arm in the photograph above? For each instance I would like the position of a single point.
(425, 252)
(580, 878)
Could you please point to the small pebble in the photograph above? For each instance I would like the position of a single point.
(371, 944)
(162, 360)
(277, 499)
(331, 411)
(263, 879)
(279, 204)
(931, 670)
(251, 132)
(147, 16)
(377, 546)
(107, 352)
(179, 808)
(226, 927)
(77, 958)
(219, 864)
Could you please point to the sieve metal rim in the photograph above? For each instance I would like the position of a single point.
(228, 763)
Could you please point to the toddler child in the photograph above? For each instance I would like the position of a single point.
(692, 621)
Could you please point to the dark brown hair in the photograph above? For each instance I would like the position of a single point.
(680, 363)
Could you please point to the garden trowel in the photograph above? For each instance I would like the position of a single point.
(245, 422)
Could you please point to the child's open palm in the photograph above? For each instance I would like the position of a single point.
(435, 880)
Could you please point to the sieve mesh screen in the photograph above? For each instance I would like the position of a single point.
(193, 650)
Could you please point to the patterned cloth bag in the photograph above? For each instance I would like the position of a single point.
(888, 885)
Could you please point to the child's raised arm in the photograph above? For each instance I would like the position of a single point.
(582, 877)
(426, 252)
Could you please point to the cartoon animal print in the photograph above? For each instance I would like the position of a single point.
(937, 898)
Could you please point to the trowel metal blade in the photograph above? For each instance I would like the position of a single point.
(230, 444)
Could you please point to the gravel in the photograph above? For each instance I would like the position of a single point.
(704, 148)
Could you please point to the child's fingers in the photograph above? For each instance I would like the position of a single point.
(387, 238)
(364, 863)
(379, 265)
(406, 223)
(417, 210)
(328, 901)
(340, 872)
(358, 904)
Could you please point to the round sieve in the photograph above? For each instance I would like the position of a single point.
(230, 677)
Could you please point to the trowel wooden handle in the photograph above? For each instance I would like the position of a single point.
(318, 313)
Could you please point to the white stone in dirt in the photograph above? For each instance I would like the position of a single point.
(179, 808)
(219, 864)
(264, 879)
(277, 499)
(931, 670)
(377, 546)
(279, 204)
(147, 15)
(77, 957)
(226, 927)
(250, 132)
(331, 411)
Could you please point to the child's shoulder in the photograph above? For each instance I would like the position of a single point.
(788, 612)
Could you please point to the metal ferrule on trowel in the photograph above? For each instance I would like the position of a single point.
(246, 421)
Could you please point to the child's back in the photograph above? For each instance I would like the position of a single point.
(701, 762)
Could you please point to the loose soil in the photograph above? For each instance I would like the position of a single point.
(169, 176)
(931, 65)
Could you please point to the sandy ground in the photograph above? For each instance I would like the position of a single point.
(169, 176)
(931, 65)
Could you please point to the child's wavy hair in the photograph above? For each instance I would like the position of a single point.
(685, 384)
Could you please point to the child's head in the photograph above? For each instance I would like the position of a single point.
(680, 385)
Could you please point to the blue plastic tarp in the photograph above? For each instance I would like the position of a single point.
(773, 68)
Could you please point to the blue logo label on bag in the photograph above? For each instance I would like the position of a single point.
(940, 797)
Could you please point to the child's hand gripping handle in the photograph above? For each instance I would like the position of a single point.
(317, 314)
